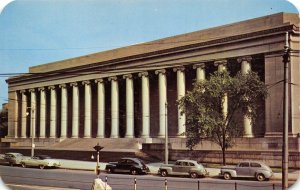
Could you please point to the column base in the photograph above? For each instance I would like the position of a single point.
(88, 137)
(74, 137)
(248, 136)
(100, 137)
(114, 137)
(129, 136)
(145, 136)
(161, 136)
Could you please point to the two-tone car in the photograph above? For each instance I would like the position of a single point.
(127, 165)
(40, 161)
(183, 168)
(13, 158)
(247, 169)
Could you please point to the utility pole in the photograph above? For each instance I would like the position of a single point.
(32, 127)
(166, 135)
(285, 148)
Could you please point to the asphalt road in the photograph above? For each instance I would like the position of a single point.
(32, 178)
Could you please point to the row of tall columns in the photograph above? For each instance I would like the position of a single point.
(145, 132)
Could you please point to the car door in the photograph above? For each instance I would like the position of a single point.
(186, 167)
(120, 166)
(243, 169)
(177, 167)
(254, 167)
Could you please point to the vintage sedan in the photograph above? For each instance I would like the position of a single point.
(251, 169)
(13, 158)
(127, 165)
(183, 168)
(40, 161)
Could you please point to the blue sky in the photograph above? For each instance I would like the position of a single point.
(34, 32)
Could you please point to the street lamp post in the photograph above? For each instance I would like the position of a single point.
(285, 150)
(166, 135)
(32, 128)
(98, 148)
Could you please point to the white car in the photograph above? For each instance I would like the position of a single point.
(40, 161)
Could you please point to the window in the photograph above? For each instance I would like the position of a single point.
(244, 164)
(192, 164)
(256, 165)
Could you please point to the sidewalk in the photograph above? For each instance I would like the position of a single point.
(86, 165)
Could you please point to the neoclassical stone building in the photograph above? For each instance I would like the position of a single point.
(131, 92)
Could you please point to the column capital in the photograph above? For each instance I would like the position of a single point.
(127, 76)
(179, 68)
(41, 89)
(143, 74)
(51, 87)
(86, 82)
(199, 65)
(160, 71)
(220, 62)
(244, 58)
(113, 78)
(74, 84)
(62, 86)
(23, 91)
(31, 90)
(99, 80)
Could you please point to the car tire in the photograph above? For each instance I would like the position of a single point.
(227, 176)
(260, 177)
(164, 173)
(41, 167)
(109, 170)
(133, 172)
(23, 165)
(194, 175)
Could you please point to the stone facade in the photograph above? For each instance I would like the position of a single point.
(131, 92)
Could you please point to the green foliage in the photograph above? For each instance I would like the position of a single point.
(3, 123)
(206, 117)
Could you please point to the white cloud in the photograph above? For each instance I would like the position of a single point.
(3, 3)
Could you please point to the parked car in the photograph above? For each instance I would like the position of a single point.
(183, 168)
(2, 159)
(40, 161)
(13, 158)
(127, 165)
(252, 169)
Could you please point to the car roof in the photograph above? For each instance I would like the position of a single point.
(134, 159)
(193, 161)
(14, 153)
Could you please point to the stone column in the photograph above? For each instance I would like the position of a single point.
(246, 68)
(200, 71)
(33, 110)
(145, 105)
(13, 114)
(101, 108)
(222, 67)
(23, 114)
(64, 111)
(180, 94)
(129, 106)
(114, 107)
(75, 111)
(87, 109)
(163, 120)
(53, 102)
(42, 112)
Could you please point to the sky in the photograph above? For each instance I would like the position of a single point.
(34, 32)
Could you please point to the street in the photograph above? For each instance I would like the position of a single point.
(28, 178)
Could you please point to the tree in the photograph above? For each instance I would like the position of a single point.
(207, 117)
(3, 122)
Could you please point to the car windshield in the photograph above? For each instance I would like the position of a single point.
(42, 157)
